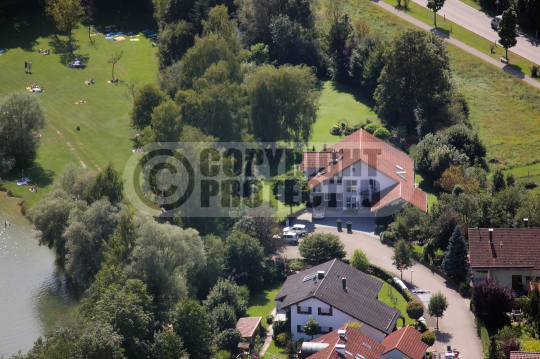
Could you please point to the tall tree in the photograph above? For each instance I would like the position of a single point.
(244, 258)
(437, 305)
(227, 292)
(148, 98)
(291, 189)
(175, 39)
(167, 122)
(106, 184)
(498, 183)
(435, 6)
(491, 300)
(312, 327)
(402, 256)
(359, 260)
(66, 14)
(318, 248)
(114, 59)
(507, 29)
(284, 103)
(531, 309)
(21, 116)
(455, 262)
(168, 345)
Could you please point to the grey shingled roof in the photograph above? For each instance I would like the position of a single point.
(359, 300)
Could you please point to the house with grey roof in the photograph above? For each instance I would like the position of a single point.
(335, 293)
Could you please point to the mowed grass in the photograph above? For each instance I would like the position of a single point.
(504, 110)
(104, 123)
(261, 303)
(401, 302)
(337, 103)
(470, 38)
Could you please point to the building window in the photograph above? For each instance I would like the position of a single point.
(303, 310)
(339, 180)
(351, 186)
(327, 197)
(299, 328)
(325, 311)
(331, 180)
(351, 202)
(325, 330)
(339, 197)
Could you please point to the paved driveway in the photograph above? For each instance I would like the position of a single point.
(457, 327)
(480, 23)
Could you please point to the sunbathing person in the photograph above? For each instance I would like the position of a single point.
(88, 82)
(79, 102)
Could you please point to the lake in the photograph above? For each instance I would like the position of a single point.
(33, 293)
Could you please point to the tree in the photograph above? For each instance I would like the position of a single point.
(175, 39)
(148, 98)
(415, 310)
(507, 29)
(114, 59)
(284, 103)
(21, 116)
(258, 54)
(437, 305)
(455, 262)
(407, 92)
(359, 260)
(428, 337)
(66, 14)
(227, 292)
(318, 248)
(354, 324)
(228, 340)
(498, 182)
(402, 256)
(493, 349)
(190, 321)
(244, 259)
(106, 184)
(531, 309)
(443, 227)
(222, 318)
(167, 122)
(510, 179)
(312, 327)
(88, 228)
(291, 189)
(491, 300)
(435, 6)
(207, 276)
(168, 345)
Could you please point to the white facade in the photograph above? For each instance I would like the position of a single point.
(352, 185)
(513, 279)
(394, 354)
(326, 322)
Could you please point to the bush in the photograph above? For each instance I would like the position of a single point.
(283, 339)
(269, 319)
(491, 300)
(2, 186)
(428, 338)
(9, 193)
(381, 133)
(529, 184)
(389, 278)
(335, 130)
(372, 127)
(535, 70)
(24, 206)
(465, 288)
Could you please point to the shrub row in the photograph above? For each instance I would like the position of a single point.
(389, 278)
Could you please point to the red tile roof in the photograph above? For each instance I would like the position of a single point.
(354, 343)
(524, 355)
(517, 248)
(412, 195)
(408, 341)
(247, 326)
(362, 146)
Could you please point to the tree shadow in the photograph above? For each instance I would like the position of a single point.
(37, 174)
(358, 93)
(443, 337)
(23, 30)
(62, 47)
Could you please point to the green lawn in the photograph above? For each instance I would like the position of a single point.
(401, 302)
(470, 38)
(337, 103)
(104, 124)
(261, 303)
(493, 95)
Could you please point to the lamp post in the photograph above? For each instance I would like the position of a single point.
(497, 2)
(412, 270)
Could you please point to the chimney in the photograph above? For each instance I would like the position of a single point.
(324, 146)
(344, 282)
(341, 333)
(340, 348)
(320, 274)
(526, 222)
(334, 156)
(491, 235)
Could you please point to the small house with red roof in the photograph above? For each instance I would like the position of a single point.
(524, 355)
(348, 342)
(361, 171)
(511, 255)
(249, 328)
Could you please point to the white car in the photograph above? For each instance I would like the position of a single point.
(496, 20)
(299, 229)
(318, 213)
(290, 237)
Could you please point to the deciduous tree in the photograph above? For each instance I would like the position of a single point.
(244, 260)
(491, 300)
(312, 327)
(415, 310)
(318, 248)
(531, 309)
(437, 305)
(114, 59)
(291, 189)
(435, 6)
(359, 260)
(66, 14)
(107, 183)
(148, 98)
(507, 29)
(402, 256)
(227, 292)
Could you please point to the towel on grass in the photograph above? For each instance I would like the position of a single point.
(21, 183)
(121, 38)
(110, 37)
(94, 34)
(2, 51)
(134, 40)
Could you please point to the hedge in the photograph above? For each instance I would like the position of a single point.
(386, 276)
(482, 333)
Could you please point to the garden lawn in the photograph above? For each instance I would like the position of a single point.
(104, 123)
(339, 102)
(261, 303)
(401, 302)
(504, 110)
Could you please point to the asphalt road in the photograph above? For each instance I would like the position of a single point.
(480, 23)
(457, 327)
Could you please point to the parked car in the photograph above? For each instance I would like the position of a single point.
(299, 229)
(496, 20)
(318, 213)
(290, 237)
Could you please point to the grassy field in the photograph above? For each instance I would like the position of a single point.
(493, 95)
(261, 303)
(401, 302)
(104, 125)
(470, 38)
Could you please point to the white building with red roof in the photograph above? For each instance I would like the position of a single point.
(361, 171)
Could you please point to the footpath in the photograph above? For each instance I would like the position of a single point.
(457, 43)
